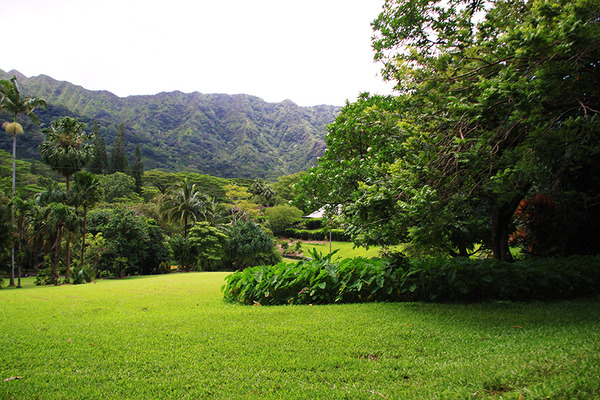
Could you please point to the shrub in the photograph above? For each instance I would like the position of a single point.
(281, 217)
(207, 243)
(320, 234)
(82, 274)
(463, 279)
(397, 279)
(183, 252)
(313, 223)
(284, 245)
(164, 268)
(248, 245)
(318, 281)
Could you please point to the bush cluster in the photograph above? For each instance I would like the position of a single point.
(464, 279)
(317, 234)
(316, 281)
(312, 223)
(208, 248)
(321, 281)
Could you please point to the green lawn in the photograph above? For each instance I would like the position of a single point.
(172, 337)
(346, 249)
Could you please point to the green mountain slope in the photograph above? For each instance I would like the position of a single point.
(222, 135)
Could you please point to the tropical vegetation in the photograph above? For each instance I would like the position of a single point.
(496, 117)
(474, 186)
(12, 102)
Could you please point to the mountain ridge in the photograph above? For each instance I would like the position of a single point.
(231, 136)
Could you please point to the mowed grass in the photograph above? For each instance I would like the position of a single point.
(173, 337)
(345, 249)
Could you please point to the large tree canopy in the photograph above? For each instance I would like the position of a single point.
(497, 100)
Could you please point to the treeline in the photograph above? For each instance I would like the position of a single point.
(83, 213)
(104, 226)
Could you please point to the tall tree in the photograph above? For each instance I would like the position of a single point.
(264, 193)
(99, 161)
(12, 102)
(59, 221)
(185, 204)
(118, 157)
(240, 205)
(86, 193)
(508, 89)
(5, 228)
(137, 170)
(497, 100)
(67, 150)
(501, 99)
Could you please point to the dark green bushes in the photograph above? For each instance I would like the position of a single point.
(132, 244)
(248, 244)
(323, 281)
(317, 234)
(463, 279)
(319, 281)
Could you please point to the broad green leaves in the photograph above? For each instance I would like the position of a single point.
(321, 281)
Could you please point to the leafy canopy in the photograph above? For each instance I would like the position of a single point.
(497, 100)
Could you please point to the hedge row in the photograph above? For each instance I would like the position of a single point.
(318, 234)
(463, 279)
(322, 281)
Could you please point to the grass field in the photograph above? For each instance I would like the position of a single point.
(346, 249)
(173, 337)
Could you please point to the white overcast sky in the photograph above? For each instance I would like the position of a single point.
(309, 51)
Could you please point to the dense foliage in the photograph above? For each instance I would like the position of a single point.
(13, 103)
(248, 245)
(490, 141)
(103, 227)
(322, 281)
(133, 244)
(216, 134)
(496, 105)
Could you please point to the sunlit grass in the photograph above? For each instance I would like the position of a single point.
(173, 337)
(345, 249)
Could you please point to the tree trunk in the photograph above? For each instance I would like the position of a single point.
(501, 218)
(56, 249)
(19, 267)
(185, 218)
(68, 245)
(68, 260)
(84, 232)
(12, 210)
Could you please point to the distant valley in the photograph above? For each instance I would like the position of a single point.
(231, 136)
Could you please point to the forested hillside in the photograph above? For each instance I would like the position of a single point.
(222, 135)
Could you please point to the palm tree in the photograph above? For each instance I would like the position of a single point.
(264, 193)
(211, 210)
(12, 102)
(23, 210)
(67, 150)
(60, 220)
(184, 204)
(86, 193)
